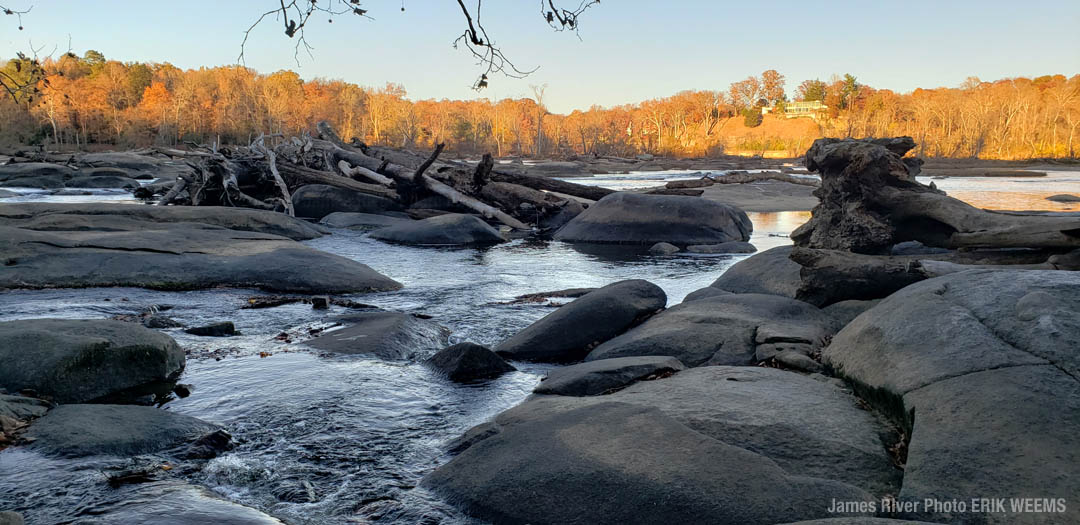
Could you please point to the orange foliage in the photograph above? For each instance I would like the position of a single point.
(93, 102)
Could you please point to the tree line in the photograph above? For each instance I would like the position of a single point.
(80, 102)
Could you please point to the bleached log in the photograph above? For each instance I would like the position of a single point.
(353, 171)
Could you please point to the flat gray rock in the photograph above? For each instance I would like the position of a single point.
(723, 329)
(571, 331)
(387, 335)
(113, 430)
(606, 375)
(632, 218)
(23, 215)
(170, 248)
(73, 360)
(707, 445)
(343, 219)
(981, 368)
(316, 201)
(448, 229)
(769, 272)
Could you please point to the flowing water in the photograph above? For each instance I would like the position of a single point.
(344, 439)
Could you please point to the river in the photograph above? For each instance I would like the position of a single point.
(346, 439)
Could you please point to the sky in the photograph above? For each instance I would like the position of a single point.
(626, 50)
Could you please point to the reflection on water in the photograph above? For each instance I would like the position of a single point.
(1012, 193)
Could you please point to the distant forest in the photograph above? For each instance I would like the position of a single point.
(89, 101)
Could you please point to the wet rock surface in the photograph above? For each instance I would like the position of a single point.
(387, 335)
(73, 361)
(114, 430)
(567, 334)
(465, 362)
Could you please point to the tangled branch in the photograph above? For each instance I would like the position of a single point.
(295, 15)
(17, 14)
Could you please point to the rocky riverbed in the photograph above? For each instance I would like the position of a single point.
(696, 382)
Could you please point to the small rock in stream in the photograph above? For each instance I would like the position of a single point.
(223, 329)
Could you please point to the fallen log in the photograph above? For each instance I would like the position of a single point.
(301, 175)
(593, 193)
(407, 178)
(742, 177)
(271, 158)
(355, 171)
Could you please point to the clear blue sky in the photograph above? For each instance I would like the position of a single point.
(631, 50)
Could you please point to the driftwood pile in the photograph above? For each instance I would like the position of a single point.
(263, 176)
(877, 229)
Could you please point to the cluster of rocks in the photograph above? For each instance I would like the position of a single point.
(940, 393)
(91, 170)
(84, 386)
(794, 382)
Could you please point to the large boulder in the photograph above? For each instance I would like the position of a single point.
(387, 335)
(725, 329)
(632, 218)
(113, 430)
(465, 362)
(708, 445)
(319, 200)
(980, 368)
(768, 272)
(73, 361)
(567, 334)
(59, 246)
(449, 229)
(606, 375)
